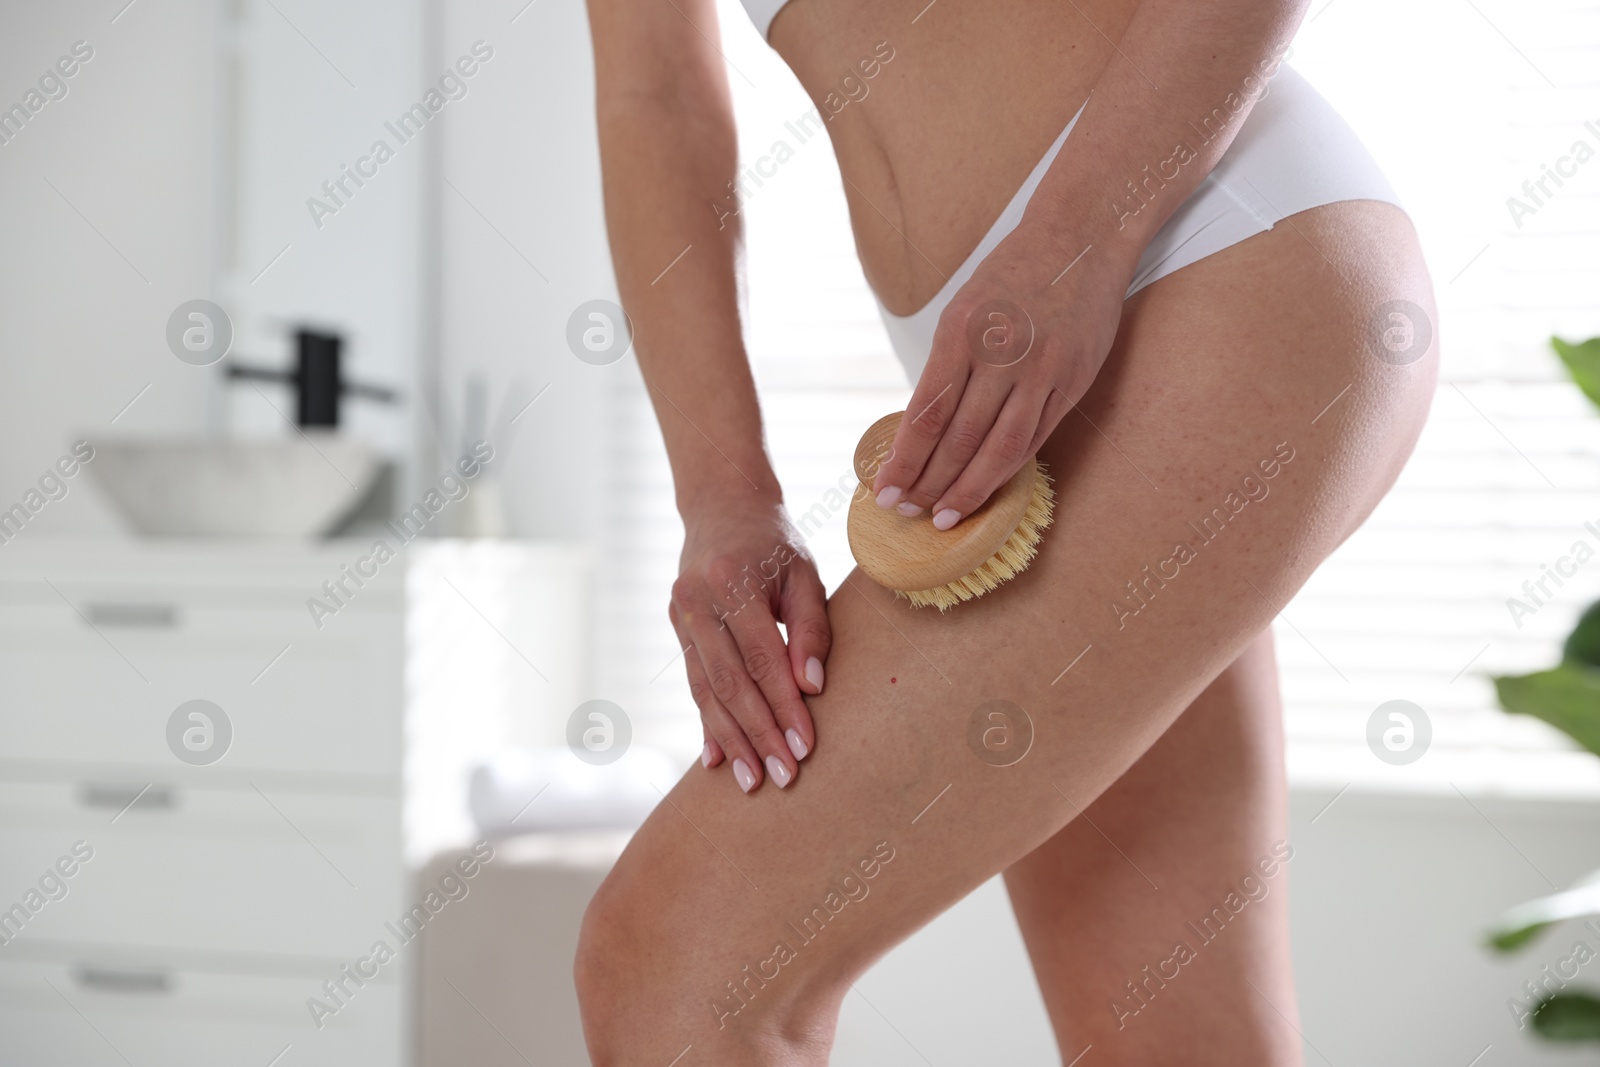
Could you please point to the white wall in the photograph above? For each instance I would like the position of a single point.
(521, 245)
(90, 273)
(1390, 899)
(313, 96)
(146, 187)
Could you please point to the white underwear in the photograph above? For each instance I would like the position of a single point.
(1294, 152)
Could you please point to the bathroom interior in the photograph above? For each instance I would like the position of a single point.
(329, 543)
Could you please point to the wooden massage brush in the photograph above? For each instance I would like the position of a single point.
(942, 568)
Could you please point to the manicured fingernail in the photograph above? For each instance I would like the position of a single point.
(744, 775)
(946, 519)
(705, 754)
(888, 497)
(908, 509)
(797, 746)
(814, 672)
(779, 772)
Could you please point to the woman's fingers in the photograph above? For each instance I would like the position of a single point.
(962, 442)
(726, 739)
(1008, 444)
(997, 382)
(803, 609)
(754, 745)
(716, 725)
(933, 404)
(747, 682)
(963, 433)
(711, 754)
(769, 706)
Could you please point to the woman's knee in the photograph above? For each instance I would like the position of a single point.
(647, 978)
(612, 969)
(596, 964)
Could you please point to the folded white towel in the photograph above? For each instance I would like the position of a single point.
(521, 790)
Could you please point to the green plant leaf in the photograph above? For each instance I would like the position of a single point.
(1521, 924)
(1567, 698)
(1583, 363)
(1514, 937)
(1568, 1017)
(1583, 644)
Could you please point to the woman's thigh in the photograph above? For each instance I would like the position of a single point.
(1241, 428)
(1120, 909)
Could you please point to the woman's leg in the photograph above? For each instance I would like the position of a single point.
(1120, 908)
(1241, 428)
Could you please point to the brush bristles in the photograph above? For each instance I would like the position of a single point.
(1012, 558)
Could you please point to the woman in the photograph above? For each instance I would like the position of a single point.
(1112, 232)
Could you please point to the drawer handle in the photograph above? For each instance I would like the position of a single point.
(118, 980)
(132, 616)
(121, 797)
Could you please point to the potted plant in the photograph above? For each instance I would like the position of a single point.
(1567, 697)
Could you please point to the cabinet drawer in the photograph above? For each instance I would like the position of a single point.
(87, 1011)
(96, 680)
(237, 870)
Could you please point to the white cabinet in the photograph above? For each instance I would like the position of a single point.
(276, 872)
(91, 658)
(177, 1016)
(219, 896)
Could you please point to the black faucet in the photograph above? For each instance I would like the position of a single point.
(316, 378)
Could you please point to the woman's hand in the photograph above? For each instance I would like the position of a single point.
(743, 571)
(1012, 354)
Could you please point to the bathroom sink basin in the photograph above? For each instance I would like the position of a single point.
(301, 486)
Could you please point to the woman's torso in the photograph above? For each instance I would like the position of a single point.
(933, 141)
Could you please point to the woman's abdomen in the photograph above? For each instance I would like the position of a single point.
(937, 121)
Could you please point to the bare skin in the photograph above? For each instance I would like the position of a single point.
(1254, 363)
(1214, 368)
(1109, 899)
